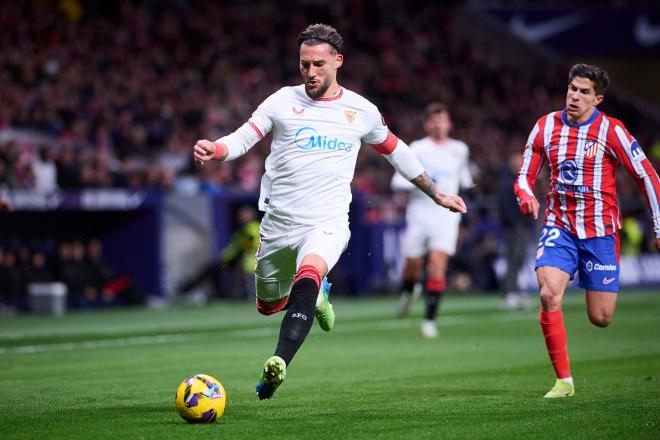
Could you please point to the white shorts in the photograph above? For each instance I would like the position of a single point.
(283, 246)
(420, 238)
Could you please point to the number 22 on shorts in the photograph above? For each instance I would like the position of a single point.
(548, 236)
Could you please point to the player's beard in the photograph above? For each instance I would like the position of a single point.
(319, 92)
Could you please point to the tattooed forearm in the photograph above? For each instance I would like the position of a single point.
(426, 184)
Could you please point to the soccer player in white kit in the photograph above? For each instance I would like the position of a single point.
(318, 128)
(430, 230)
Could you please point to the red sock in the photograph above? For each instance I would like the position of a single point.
(554, 332)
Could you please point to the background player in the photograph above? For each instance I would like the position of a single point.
(430, 230)
(318, 128)
(515, 230)
(583, 147)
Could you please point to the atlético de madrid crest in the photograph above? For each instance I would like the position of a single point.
(591, 148)
(350, 115)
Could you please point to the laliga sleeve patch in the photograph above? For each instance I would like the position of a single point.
(636, 151)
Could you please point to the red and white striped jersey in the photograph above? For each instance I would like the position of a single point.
(583, 159)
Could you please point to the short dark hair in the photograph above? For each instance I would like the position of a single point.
(321, 33)
(434, 108)
(598, 76)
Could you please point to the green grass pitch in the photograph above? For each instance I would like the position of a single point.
(113, 374)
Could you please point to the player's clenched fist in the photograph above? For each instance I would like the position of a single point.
(206, 150)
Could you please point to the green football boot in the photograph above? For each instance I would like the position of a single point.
(561, 389)
(324, 312)
(272, 376)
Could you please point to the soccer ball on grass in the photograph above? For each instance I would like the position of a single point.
(201, 399)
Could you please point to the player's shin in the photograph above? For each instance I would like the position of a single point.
(435, 287)
(407, 297)
(298, 318)
(554, 332)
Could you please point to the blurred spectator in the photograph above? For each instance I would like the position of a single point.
(112, 290)
(5, 205)
(232, 274)
(90, 281)
(44, 171)
(38, 271)
(632, 236)
(100, 272)
(79, 280)
(12, 291)
(481, 249)
(68, 169)
(516, 230)
(120, 80)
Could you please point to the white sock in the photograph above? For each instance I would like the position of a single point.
(567, 379)
(319, 300)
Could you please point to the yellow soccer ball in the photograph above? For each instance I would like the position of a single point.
(201, 399)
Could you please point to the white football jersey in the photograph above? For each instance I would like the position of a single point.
(448, 166)
(313, 152)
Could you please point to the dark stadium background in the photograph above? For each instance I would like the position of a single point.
(111, 96)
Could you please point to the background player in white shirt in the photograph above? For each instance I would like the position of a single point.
(430, 230)
(318, 128)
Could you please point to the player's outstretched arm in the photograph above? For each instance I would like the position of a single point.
(630, 154)
(428, 186)
(240, 141)
(530, 168)
(406, 163)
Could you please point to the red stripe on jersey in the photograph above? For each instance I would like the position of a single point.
(611, 216)
(553, 159)
(626, 157)
(615, 145)
(571, 201)
(654, 176)
(339, 94)
(530, 166)
(254, 126)
(598, 167)
(388, 145)
(589, 176)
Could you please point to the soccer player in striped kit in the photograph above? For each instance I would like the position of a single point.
(583, 147)
(318, 128)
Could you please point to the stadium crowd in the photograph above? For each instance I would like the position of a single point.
(79, 265)
(115, 94)
(121, 90)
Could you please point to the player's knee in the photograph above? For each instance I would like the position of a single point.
(550, 299)
(601, 318)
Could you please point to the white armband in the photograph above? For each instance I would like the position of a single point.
(405, 161)
(239, 142)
